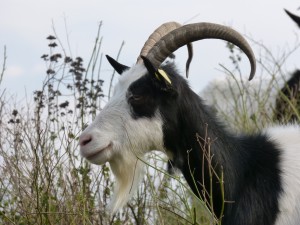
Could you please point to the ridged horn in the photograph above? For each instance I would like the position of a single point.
(160, 32)
(194, 32)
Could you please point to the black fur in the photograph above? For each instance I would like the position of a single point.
(250, 164)
(120, 68)
(291, 91)
(295, 18)
(290, 94)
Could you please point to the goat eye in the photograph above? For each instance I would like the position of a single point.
(141, 104)
(136, 98)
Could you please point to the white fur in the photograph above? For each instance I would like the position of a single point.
(128, 139)
(288, 139)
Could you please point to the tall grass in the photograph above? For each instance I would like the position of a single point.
(43, 178)
(45, 181)
(249, 106)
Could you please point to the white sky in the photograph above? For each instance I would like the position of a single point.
(24, 25)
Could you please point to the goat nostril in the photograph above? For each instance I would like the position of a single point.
(85, 140)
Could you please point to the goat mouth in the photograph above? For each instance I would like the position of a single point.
(98, 152)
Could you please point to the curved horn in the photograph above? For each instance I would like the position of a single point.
(160, 32)
(194, 32)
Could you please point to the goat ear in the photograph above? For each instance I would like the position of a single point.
(158, 75)
(120, 68)
(295, 18)
(148, 65)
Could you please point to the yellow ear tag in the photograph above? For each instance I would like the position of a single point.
(164, 75)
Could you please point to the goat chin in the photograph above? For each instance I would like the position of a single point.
(128, 173)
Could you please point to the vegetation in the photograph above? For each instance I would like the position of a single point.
(43, 178)
(250, 106)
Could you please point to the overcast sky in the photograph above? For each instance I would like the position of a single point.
(24, 25)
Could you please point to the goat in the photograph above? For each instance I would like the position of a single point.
(153, 107)
(287, 106)
(288, 100)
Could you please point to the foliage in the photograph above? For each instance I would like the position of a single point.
(248, 106)
(45, 181)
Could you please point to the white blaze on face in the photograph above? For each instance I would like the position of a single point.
(117, 138)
